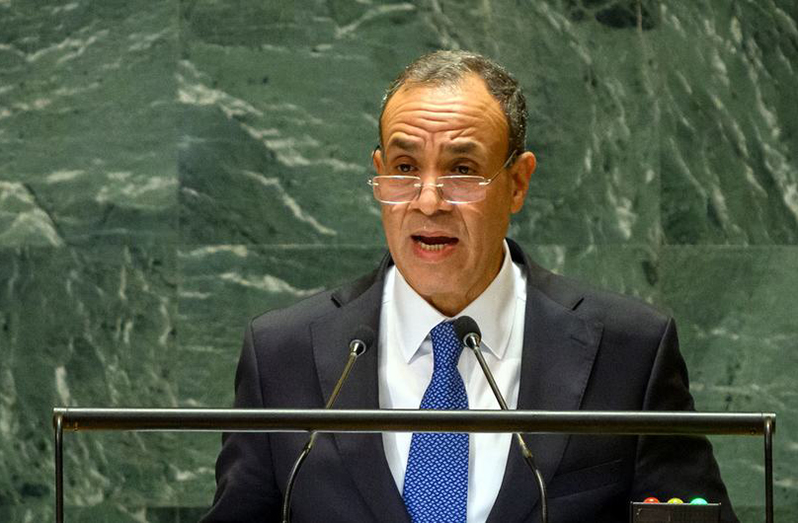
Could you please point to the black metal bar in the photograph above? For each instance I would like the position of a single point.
(59, 468)
(299, 420)
(769, 428)
(320, 420)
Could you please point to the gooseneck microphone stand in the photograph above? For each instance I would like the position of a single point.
(468, 332)
(362, 340)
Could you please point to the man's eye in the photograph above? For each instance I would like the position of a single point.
(404, 168)
(463, 170)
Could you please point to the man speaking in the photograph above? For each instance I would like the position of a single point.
(450, 170)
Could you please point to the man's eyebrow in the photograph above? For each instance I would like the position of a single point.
(462, 148)
(405, 145)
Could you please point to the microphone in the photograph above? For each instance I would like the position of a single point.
(363, 339)
(469, 334)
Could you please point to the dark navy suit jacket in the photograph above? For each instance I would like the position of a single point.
(583, 349)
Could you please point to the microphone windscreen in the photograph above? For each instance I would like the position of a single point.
(465, 325)
(365, 335)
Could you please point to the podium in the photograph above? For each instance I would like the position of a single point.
(321, 420)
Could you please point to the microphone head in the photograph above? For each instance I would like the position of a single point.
(363, 339)
(464, 327)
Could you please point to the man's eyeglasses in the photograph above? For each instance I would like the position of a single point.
(452, 188)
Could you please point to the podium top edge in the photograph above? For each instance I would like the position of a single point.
(378, 420)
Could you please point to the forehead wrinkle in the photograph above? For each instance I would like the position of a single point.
(406, 138)
(432, 121)
(423, 117)
(429, 123)
(446, 111)
(462, 120)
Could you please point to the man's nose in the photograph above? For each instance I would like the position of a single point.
(429, 199)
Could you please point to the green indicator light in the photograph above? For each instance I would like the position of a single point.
(698, 501)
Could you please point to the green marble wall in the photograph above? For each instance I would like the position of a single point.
(169, 169)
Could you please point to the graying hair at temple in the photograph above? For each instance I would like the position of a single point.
(448, 68)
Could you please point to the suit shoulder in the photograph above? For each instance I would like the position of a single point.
(300, 313)
(615, 311)
(292, 319)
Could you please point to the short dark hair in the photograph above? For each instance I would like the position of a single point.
(447, 68)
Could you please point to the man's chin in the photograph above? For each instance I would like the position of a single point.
(428, 282)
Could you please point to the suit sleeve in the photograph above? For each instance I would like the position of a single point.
(245, 486)
(671, 466)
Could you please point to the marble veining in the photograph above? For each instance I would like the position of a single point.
(170, 169)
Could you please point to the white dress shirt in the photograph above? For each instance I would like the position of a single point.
(405, 370)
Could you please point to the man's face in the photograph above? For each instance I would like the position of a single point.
(449, 253)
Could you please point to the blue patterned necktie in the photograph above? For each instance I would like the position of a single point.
(436, 479)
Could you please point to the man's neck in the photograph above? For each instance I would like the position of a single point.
(412, 316)
(451, 306)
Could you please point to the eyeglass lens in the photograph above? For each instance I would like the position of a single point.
(402, 189)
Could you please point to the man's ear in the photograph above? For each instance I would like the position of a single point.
(376, 160)
(521, 173)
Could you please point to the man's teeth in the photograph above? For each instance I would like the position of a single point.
(428, 247)
(433, 244)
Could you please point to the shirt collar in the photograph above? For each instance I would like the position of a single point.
(493, 310)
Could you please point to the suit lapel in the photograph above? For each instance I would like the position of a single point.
(362, 454)
(559, 350)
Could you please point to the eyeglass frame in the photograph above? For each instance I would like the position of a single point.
(484, 183)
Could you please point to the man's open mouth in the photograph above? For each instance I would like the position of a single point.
(434, 243)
